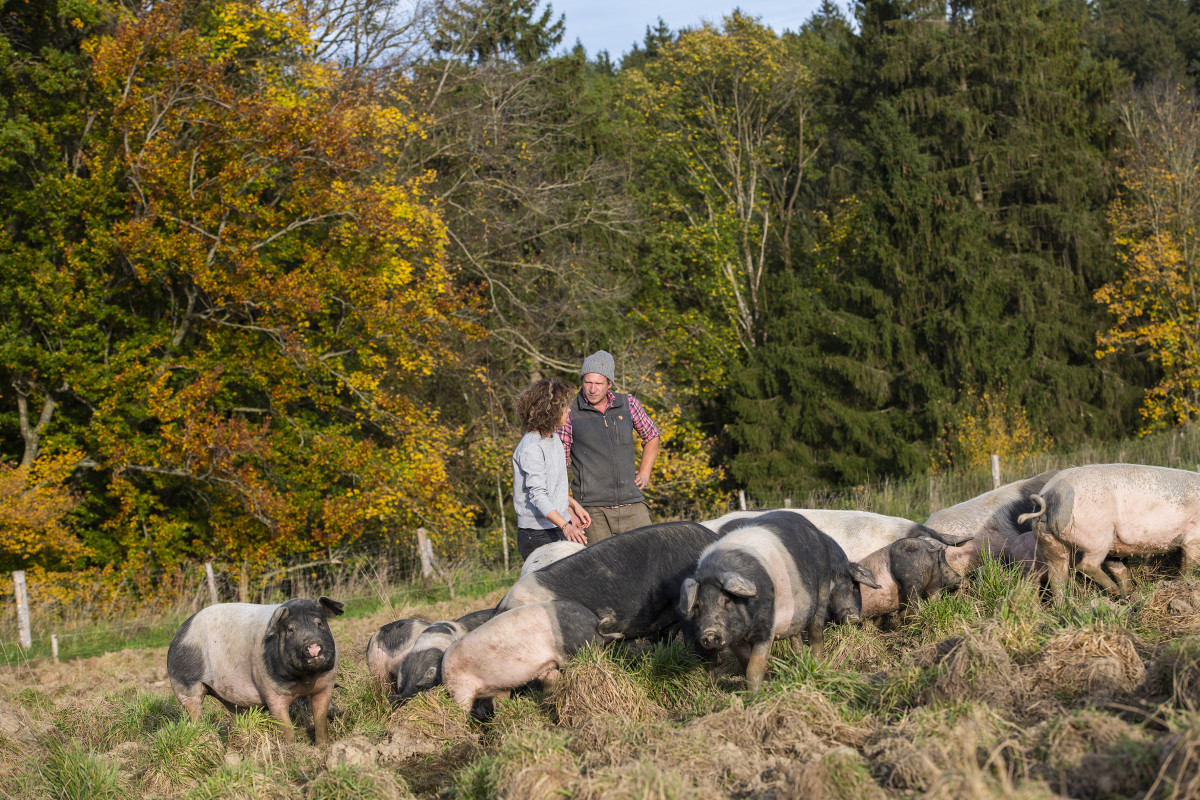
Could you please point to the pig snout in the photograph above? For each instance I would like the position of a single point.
(313, 650)
(711, 639)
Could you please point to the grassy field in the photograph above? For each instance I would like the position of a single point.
(991, 691)
(988, 692)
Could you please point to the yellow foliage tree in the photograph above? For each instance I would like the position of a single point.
(1155, 304)
(986, 423)
(33, 505)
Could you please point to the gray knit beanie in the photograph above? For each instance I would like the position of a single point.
(600, 362)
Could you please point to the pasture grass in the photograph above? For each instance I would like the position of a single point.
(993, 690)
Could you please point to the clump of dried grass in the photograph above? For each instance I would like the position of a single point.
(642, 779)
(433, 716)
(1096, 661)
(1176, 673)
(1178, 775)
(1173, 610)
(951, 751)
(534, 765)
(593, 685)
(1077, 747)
(978, 667)
(841, 774)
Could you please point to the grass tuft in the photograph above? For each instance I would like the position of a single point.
(182, 753)
(71, 772)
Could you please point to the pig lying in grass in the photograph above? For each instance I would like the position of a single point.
(246, 655)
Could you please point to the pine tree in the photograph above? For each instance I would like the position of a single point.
(960, 254)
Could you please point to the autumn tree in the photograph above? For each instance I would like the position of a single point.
(224, 295)
(1154, 306)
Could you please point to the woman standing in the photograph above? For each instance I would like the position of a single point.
(540, 486)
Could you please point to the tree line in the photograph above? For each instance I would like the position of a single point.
(272, 274)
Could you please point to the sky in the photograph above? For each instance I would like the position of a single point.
(615, 25)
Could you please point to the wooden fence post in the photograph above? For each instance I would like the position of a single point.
(23, 634)
(742, 499)
(787, 502)
(54, 646)
(425, 550)
(503, 521)
(244, 584)
(212, 582)
(995, 471)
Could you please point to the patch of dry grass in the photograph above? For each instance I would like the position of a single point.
(1096, 661)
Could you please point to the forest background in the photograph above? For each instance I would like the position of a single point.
(273, 273)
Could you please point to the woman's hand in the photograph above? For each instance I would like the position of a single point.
(574, 533)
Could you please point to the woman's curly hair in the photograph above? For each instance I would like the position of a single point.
(540, 406)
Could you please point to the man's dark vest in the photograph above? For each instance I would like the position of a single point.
(602, 455)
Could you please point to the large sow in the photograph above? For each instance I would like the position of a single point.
(245, 654)
(1104, 510)
(991, 524)
(775, 576)
(858, 533)
(631, 581)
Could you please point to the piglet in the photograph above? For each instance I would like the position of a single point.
(388, 646)
(905, 572)
(246, 654)
(421, 669)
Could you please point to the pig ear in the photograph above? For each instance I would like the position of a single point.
(431, 676)
(737, 585)
(863, 575)
(333, 608)
(687, 597)
(278, 617)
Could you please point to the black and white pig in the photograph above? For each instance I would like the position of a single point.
(421, 669)
(775, 576)
(906, 571)
(245, 654)
(526, 644)
(388, 646)
(631, 581)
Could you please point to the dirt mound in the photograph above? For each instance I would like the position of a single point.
(1095, 661)
(1174, 610)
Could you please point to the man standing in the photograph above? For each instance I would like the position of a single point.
(598, 440)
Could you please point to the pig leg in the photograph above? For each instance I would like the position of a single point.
(1090, 565)
(756, 666)
(320, 706)
(1120, 573)
(742, 650)
(549, 677)
(192, 703)
(1191, 552)
(816, 637)
(278, 706)
(1057, 560)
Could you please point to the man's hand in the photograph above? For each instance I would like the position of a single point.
(578, 514)
(641, 481)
